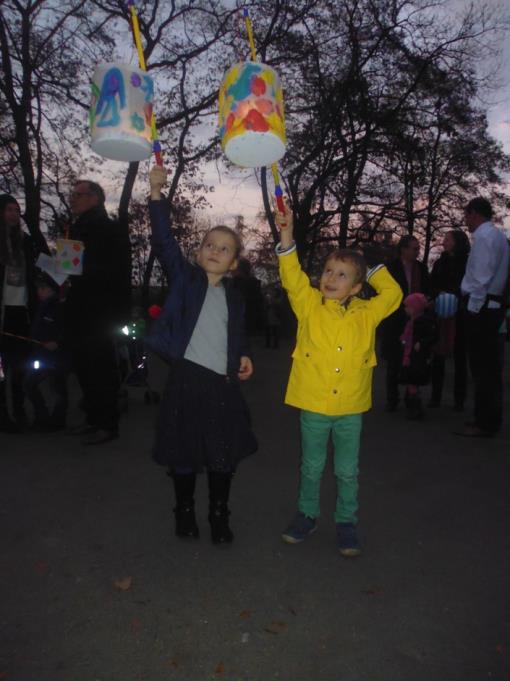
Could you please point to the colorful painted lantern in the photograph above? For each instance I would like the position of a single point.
(251, 118)
(447, 305)
(69, 259)
(120, 112)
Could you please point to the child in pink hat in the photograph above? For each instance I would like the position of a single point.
(419, 336)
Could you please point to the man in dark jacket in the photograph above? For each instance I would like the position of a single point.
(97, 302)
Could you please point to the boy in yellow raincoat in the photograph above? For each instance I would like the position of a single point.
(331, 375)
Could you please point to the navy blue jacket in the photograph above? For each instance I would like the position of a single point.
(172, 330)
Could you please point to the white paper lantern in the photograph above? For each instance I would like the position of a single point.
(251, 117)
(120, 112)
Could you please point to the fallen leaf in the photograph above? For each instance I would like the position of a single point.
(245, 614)
(135, 624)
(3, 675)
(500, 649)
(123, 584)
(292, 611)
(220, 669)
(174, 663)
(276, 627)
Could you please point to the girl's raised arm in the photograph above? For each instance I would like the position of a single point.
(163, 241)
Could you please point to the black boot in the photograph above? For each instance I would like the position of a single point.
(219, 491)
(185, 521)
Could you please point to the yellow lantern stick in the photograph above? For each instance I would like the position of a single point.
(156, 146)
(249, 31)
(274, 167)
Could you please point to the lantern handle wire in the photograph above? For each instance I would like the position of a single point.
(156, 145)
(278, 192)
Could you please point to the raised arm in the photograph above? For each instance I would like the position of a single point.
(389, 294)
(163, 242)
(294, 280)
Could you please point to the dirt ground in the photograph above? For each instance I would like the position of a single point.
(95, 587)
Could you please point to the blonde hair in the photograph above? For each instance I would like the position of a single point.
(356, 259)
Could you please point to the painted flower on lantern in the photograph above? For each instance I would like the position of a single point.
(136, 81)
(241, 88)
(243, 109)
(255, 121)
(265, 106)
(258, 87)
(148, 88)
(137, 122)
(112, 97)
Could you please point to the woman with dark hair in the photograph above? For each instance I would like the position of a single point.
(17, 295)
(412, 277)
(446, 277)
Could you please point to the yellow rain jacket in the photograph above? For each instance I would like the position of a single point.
(335, 351)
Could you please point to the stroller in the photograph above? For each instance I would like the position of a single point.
(133, 366)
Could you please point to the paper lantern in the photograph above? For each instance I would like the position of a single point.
(251, 118)
(120, 112)
(447, 305)
(69, 256)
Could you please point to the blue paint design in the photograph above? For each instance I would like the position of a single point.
(111, 99)
(136, 81)
(137, 122)
(148, 88)
(242, 87)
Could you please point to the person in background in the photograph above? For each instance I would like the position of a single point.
(97, 304)
(273, 316)
(420, 334)
(446, 277)
(249, 286)
(17, 299)
(412, 277)
(483, 286)
(48, 362)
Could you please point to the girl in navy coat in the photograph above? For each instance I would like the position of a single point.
(203, 420)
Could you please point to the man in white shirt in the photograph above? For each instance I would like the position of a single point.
(483, 284)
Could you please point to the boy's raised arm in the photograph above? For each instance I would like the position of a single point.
(294, 280)
(389, 294)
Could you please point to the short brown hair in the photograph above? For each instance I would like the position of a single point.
(480, 206)
(95, 189)
(356, 259)
(231, 232)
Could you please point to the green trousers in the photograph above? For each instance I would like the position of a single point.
(345, 432)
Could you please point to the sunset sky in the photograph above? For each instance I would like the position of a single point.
(238, 192)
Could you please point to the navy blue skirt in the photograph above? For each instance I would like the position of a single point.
(203, 421)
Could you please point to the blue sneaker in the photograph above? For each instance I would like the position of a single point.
(299, 529)
(347, 539)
